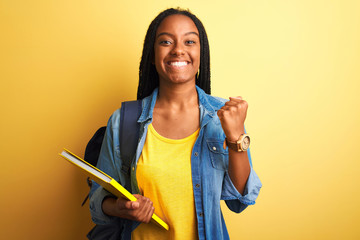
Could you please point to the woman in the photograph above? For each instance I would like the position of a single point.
(182, 168)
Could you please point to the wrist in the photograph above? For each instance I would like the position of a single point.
(108, 205)
(239, 145)
(233, 137)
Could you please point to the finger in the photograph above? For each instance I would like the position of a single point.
(146, 210)
(232, 103)
(220, 113)
(149, 214)
(235, 101)
(226, 111)
(145, 203)
(138, 196)
(230, 108)
(236, 98)
(236, 104)
(148, 204)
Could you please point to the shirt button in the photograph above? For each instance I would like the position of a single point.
(214, 148)
(201, 214)
(197, 185)
(196, 154)
(133, 168)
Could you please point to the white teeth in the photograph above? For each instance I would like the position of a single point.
(178, 64)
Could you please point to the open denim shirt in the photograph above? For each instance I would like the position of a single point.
(209, 165)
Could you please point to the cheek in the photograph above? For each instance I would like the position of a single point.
(157, 59)
(159, 56)
(196, 55)
(158, 66)
(198, 62)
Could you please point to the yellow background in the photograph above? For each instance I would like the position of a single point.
(65, 66)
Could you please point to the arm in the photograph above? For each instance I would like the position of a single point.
(103, 205)
(241, 184)
(232, 117)
(239, 169)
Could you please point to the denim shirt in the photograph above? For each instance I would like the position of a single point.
(209, 169)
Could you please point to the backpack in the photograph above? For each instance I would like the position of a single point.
(129, 135)
(129, 113)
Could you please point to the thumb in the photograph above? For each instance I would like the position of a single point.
(132, 204)
(126, 204)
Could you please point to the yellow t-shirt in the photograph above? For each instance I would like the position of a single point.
(164, 175)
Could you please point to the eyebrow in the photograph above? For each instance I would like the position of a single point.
(171, 35)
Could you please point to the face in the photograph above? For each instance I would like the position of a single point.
(177, 50)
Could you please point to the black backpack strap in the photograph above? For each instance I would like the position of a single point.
(129, 133)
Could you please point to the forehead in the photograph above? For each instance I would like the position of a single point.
(177, 23)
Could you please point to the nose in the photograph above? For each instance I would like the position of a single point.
(177, 50)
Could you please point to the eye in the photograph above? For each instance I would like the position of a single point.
(190, 42)
(165, 42)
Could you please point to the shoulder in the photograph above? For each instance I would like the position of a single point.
(211, 102)
(114, 120)
(129, 112)
(216, 102)
(221, 101)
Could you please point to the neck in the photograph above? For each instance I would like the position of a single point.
(177, 95)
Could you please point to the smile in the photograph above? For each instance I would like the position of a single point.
(178, 64)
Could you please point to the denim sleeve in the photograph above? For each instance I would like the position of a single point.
(108, 162)
(235, 201)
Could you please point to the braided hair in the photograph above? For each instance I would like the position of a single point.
(148, 76)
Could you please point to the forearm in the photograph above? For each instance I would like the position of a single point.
(239, 169)
(109, 207)
(96, 200)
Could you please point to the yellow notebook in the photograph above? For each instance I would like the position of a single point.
(106, 181)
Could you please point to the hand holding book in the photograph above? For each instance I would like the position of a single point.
(115, 207)
(140, 210)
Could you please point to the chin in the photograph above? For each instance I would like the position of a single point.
(181, 80)
(177, 79)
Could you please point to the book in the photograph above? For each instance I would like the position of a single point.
(106, 182)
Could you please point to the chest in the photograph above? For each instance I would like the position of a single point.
(176, 124)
